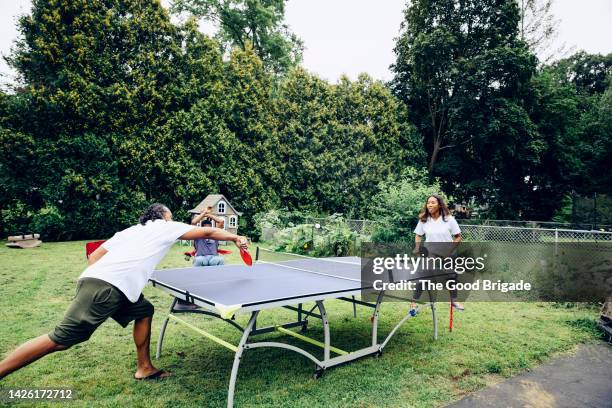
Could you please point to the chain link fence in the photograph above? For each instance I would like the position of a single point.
(538, 224)
(362, 227)
(549, 258)
(525, 235)
(308, 234)
(555, 260)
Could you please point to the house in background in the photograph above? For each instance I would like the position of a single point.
(221, 207)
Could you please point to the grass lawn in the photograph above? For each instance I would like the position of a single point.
(489, 341)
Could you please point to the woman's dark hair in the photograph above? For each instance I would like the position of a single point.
(153, 212)
(444, 211)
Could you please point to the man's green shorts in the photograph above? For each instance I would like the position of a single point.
(94, 302)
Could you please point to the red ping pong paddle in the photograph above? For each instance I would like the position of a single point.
(246, 256)
(90, 247)
(188, 255)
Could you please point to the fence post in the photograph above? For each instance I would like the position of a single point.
(595, 211)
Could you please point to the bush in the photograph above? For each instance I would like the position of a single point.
(15, 219)
(266, 223)
(333, 238)
(398, 204)
(269, 223)
(298, 239)
(564, 214)
(49, 223)
(337, 241)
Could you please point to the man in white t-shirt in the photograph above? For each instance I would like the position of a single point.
(111, 286)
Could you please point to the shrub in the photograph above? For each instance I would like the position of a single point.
(15, 219)
(332, 238)
(398, 203)
(49, 223)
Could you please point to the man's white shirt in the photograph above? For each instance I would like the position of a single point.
(134, 253)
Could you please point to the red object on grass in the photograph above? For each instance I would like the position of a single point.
(192, 253)
(450, 323)
(90, 247)
(246, 257)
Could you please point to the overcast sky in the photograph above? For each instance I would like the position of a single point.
(354, 36)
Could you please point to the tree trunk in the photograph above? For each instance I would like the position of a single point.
(434, 154)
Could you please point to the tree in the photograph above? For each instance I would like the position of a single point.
(588, 73)
(371, 143)
(463, 72)
(255, 174)
(304, 111)
(539, 28)
(254, 23)
(596, 126)
(223, 138)
(337, 142)
(174, 161)
(101, 66)
(572, 108)
(554, 108)
(96, 78)
(398, 203)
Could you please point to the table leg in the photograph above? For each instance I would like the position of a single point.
(238, 356)
(323, 313)
(375, 318)
(160, 340)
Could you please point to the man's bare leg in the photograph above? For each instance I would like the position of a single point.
(142, 338)
(27, 353)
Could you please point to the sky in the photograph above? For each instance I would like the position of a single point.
(354, 36)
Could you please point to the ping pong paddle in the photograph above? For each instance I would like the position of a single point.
(188, 255)
(246, 256)
(224, 251)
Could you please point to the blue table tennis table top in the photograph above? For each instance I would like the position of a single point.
(265, 284)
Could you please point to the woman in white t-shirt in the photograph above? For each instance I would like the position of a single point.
(438, 226)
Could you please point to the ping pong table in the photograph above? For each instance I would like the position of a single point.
(224, 291)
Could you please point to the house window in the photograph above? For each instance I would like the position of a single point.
(221, 208)
(232, 222)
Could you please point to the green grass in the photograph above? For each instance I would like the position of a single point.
(490, 341)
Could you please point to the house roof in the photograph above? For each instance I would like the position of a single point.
(210, 201)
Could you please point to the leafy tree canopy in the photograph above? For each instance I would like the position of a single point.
(255, 23)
